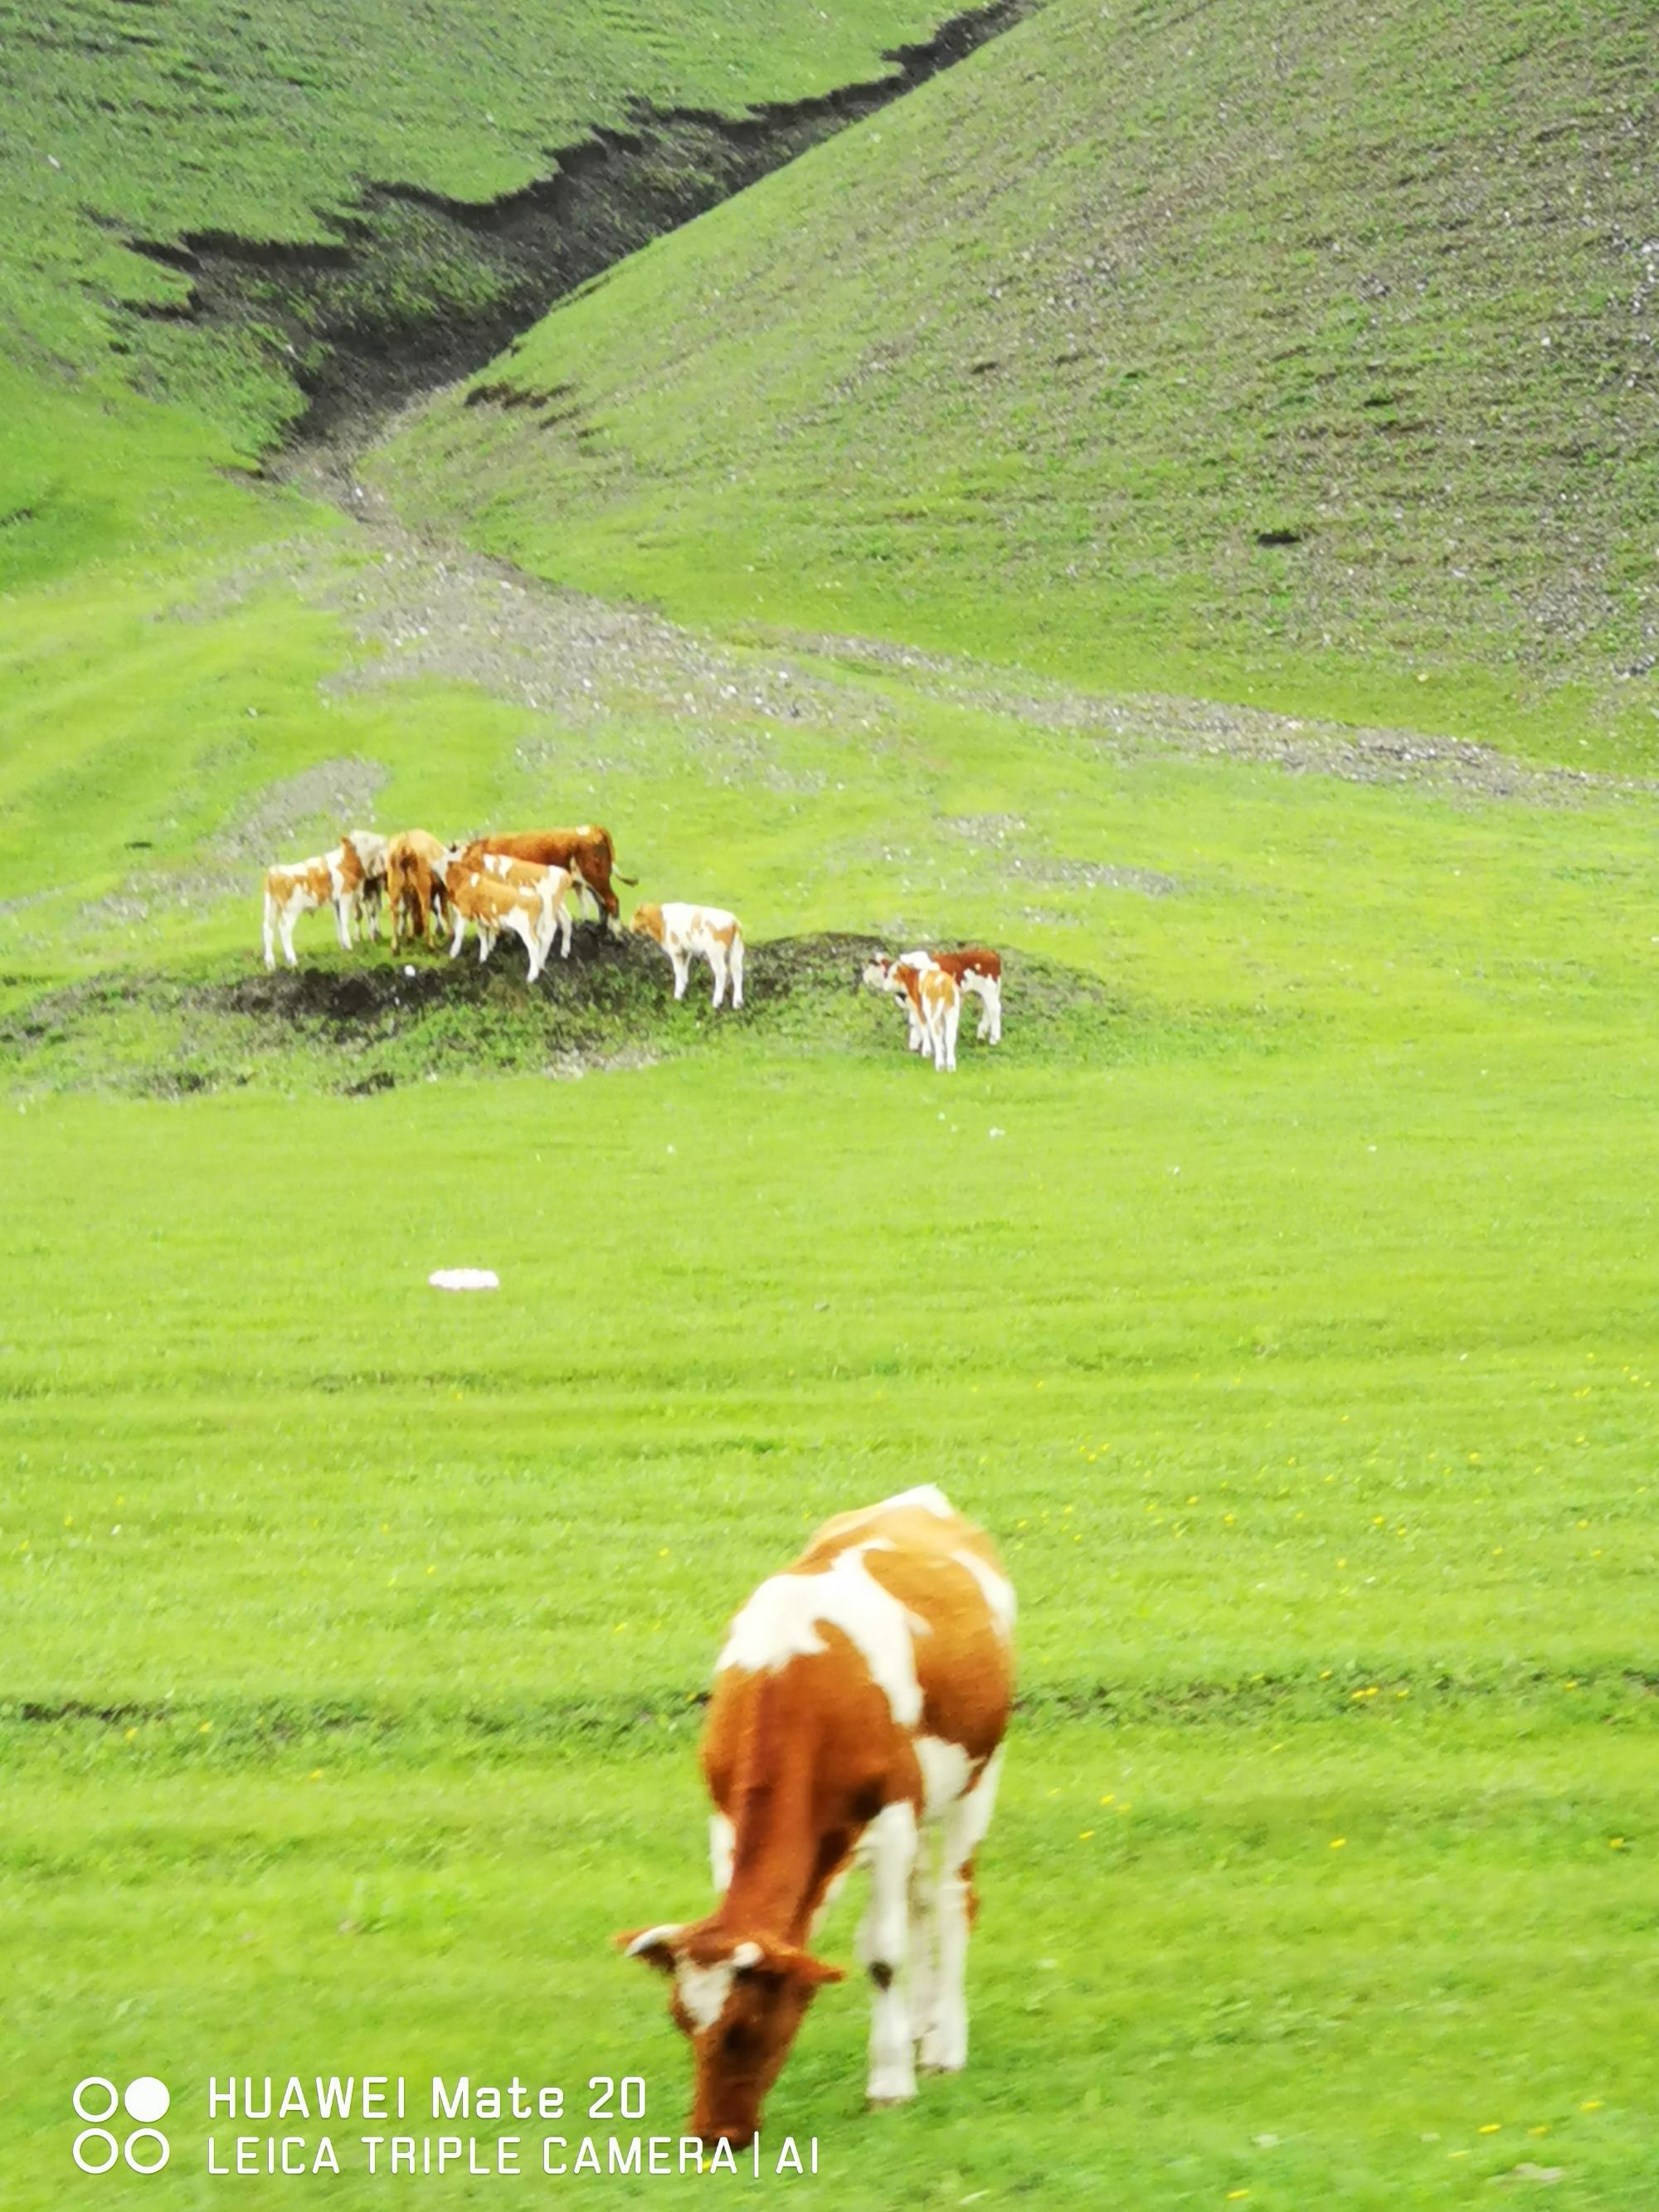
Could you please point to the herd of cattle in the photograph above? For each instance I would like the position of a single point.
(527, 885)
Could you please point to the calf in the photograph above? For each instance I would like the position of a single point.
(415, 890)
(933, 1000)
(491, 907)
(370, 849)
(857, 1713)
(552, 885)
(976, 968)
(689, 933)
(331, 880)
(588, 853)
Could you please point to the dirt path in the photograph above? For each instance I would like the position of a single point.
(440, 610)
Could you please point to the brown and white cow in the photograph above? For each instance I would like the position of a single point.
(933, 1000)
(552, 886)
(493, 906)
(977, 969)
(589, 854)
(414, 888)
(858, 1713)
(688, 932)
(301, 887)
(370, 848)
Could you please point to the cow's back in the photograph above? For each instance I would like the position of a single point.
(952, 1678)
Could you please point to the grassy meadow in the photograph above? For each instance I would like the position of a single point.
(1281, 1292)
(1298, 1353)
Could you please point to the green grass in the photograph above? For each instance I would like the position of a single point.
(1281, 1292)
(1323, 1475)
(126, 123)
(1029, 366)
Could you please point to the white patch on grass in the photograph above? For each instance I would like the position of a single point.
(465, 1279)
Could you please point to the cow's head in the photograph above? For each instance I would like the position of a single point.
(878, 973)
(739, 2000)
(647, 922)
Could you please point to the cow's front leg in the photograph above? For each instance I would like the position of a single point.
(343, 922)
(682, 973)
(890, 1840)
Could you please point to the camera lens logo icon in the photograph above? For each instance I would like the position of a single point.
(97, 2148)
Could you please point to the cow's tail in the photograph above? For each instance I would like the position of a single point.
(611, 868)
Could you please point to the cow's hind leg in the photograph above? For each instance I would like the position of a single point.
(924, 1936)
(717, 969)
(735, 960)
(884, 1934)
(945, 2042)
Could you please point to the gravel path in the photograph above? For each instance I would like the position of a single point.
(441, 610)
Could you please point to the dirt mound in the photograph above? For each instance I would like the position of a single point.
(602, 972)
(362, 1023)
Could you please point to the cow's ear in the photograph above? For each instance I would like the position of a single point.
(789, 1961)
(654, 1945)
(816, 1971)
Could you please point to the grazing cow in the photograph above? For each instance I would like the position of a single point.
(331, 880)
(588, 853)
(857, 1713)
(552, 885)
(688, 932)
(370, 848)
(414, 887)
(933, 998)
(976, 968)
(491, 907)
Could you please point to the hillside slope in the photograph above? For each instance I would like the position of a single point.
(1281, 352)
(199, 200)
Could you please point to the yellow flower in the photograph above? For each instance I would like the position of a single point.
(1590, 2105)
(1337, 1842)
(1491, 2128)
(1084, 1834)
